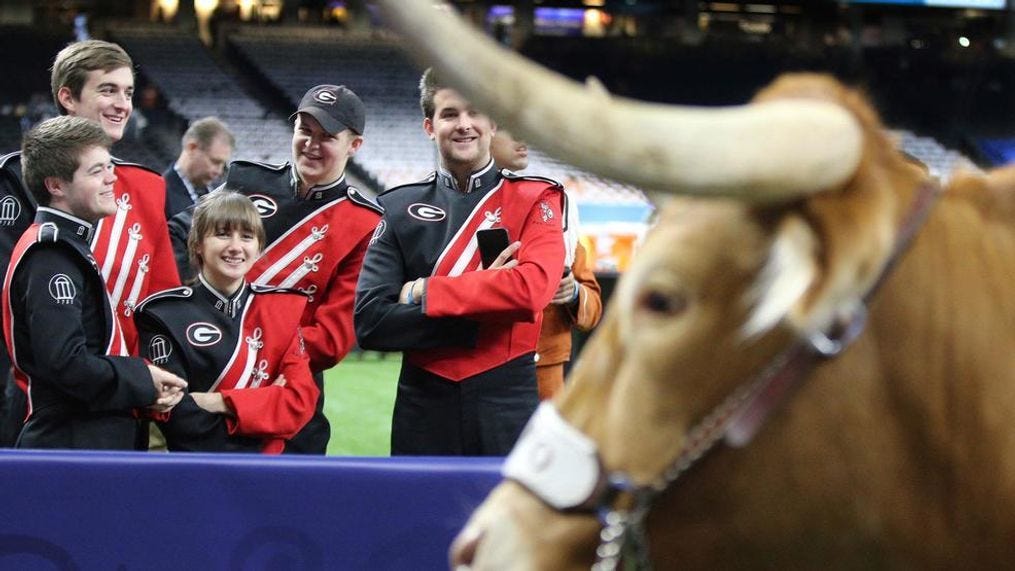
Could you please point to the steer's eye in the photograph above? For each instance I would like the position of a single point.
(661, 303)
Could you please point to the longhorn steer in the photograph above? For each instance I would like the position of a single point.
(900, 452)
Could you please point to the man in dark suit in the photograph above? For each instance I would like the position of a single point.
(206, 148)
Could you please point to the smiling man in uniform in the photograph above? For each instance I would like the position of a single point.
(317, 230)
(468, 333)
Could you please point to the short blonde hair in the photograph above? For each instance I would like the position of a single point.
(223, 209)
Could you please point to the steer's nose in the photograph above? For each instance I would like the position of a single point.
(463, 548)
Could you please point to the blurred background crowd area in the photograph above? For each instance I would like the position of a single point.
(942, 73)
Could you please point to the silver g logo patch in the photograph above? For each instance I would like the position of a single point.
(426, 212)
(265, 206)
(202, 334)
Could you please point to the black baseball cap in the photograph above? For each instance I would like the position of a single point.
(335, 107)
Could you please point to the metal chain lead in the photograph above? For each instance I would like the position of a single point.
(623, 532)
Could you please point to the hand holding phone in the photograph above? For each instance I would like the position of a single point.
(492, 241)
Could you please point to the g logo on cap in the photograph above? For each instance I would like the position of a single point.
(325, 96)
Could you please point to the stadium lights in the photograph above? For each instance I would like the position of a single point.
(724, 7)
(205, 6)
(169, 8)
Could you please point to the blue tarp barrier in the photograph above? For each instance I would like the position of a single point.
(94, 510)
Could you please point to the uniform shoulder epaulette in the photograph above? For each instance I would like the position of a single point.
(5, 158)
(512, 175)
(123, 163)
(269, 166)
(429, 179)
(359, 198)
(48, 232)
(182, 292)
(259, 288)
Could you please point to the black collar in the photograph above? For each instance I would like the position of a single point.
(227, 305)
(322, 191)
(482, 179)
(67, 223)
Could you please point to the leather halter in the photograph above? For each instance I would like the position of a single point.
(560, 465)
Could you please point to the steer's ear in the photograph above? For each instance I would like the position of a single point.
(789, 272)
(856, 229)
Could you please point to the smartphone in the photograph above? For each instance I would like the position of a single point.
(492, 242)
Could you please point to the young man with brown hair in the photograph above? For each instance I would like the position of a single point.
(64, 336)
(94, 80)
(468, 333)
(318, 228)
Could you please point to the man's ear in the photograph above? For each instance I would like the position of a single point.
(56, 186)
(66, 99)
(354, 146)
(428, 127)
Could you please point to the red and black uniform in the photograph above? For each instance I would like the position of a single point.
(467, 384)
(315, 244)
(17, 210)
(236, 346)
(17, 205)
(132, 246)
(66, 343)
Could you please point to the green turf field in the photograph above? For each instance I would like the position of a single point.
(359, 396)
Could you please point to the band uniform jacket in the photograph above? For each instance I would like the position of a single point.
(315, 244)
(17, 210)
(468, 321)
(66, 344)
(131, 246)
(17, 205)
(236, 346)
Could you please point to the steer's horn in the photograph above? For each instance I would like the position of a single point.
(763, 152)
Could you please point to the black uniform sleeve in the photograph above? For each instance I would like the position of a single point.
(190, 428)
(179, 229)
(17, 209)
(157, 345)
(54, 318)
(383, 324)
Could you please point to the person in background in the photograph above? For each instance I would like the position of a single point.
(317, 228)
(577, 303)
(204, 153)
(94, 79)
(238, 344)
(468, 382)
(68, 350)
